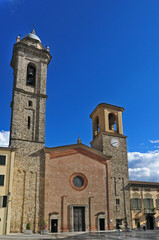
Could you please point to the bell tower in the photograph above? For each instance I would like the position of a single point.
(29, 62)
(27, 132)
(108, 138)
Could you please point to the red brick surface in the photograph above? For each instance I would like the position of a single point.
(59, 166)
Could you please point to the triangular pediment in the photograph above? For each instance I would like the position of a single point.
(67, 150)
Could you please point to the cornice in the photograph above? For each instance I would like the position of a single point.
(106, 106)
(30, 93)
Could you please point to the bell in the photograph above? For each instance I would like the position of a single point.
(31, 74)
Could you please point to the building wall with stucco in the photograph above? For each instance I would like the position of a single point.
(142, 213)
(6, 191)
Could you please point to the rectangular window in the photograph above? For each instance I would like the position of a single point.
(1, 180)
(136, 203)
(149, 203)
(4, 201)
(117, 201)
(30, 103)
(2, 160)
(28, 122)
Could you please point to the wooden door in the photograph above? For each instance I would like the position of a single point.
(101, 224)
(54, 225)
(79, 219)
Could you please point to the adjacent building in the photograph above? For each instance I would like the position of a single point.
(7, 156)
(144, 204)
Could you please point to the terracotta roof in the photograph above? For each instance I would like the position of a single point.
(137, 183)
(113, 107)
(77, 148)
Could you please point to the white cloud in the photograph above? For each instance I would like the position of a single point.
(144, 166)
(4, 138)
(137, 173)
(154, 141)
(149, 156)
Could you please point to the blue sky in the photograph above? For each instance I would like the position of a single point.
(102, 51)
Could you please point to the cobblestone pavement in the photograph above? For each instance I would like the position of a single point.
(133, 235)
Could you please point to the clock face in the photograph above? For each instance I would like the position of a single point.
(115, 142)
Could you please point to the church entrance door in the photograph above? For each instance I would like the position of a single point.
(54, 225)
(79, 219)
(102, 224)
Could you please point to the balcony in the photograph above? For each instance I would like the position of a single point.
(149, 211)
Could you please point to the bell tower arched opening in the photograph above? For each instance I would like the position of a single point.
(31, 75)
(112, 122)
(96, 126)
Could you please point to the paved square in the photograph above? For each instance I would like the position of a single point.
(133, 235)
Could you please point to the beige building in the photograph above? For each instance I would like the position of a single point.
(6, 178)
(144, 204)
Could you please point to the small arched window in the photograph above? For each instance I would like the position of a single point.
(112, 122)
(98, 127)
(31, 73)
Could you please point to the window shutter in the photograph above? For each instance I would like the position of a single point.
(140, 203)
(151, 203)
(157, 203)
(133, 204)
(145, 201)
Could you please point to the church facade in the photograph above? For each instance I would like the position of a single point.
(70, 188)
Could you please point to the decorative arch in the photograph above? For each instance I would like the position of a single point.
(136, 195)
(147, 195)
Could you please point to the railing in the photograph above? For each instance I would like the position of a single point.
(149, 211)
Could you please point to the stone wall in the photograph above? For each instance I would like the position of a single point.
(119, 175)
(28, 186)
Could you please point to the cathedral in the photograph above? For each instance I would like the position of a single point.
(69, 188)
